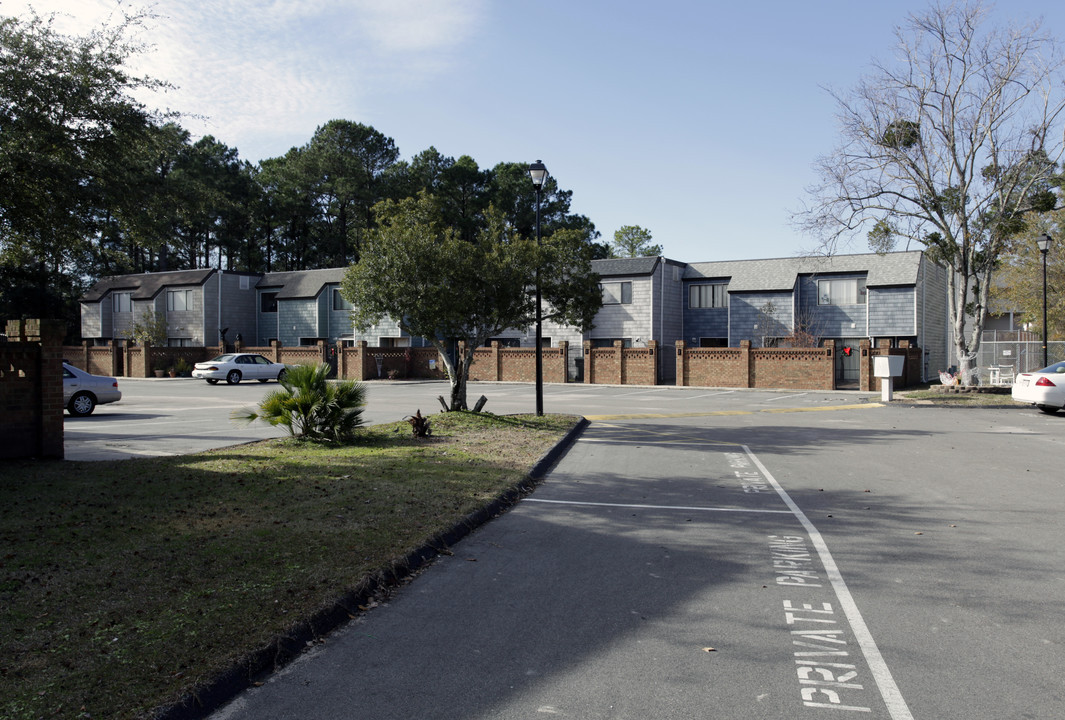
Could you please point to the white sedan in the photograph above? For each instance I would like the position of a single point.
(234, 367)
(82, 391)
(1043, 388)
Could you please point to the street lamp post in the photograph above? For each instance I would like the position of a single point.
(538, 174)
(1043, 244)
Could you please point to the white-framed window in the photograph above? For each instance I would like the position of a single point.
(123, 302)
(178, 300)
(616, 293)
(179, 342)
(339, 303)
(245, 282)
(845, 291)
(708, 296)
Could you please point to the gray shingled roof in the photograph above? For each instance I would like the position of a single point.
(145, 286)
(301, 283)
(615, 267)
(781, 274)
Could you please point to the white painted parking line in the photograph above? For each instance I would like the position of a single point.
(706, 395)
(787, 397)
(639, 392)
(685, 508)
(889, 691)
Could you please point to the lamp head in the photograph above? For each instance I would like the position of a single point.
(538, 174)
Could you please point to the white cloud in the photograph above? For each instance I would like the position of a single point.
(279, 68)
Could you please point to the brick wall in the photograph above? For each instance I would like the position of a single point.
(619, 365)
(912, 372)
(31, 389)
(744, 367)
(360, 362)
(500, 364)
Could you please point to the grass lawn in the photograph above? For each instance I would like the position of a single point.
(927, 395)
(125, 586)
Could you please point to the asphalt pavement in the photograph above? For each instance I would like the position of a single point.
(736, 555)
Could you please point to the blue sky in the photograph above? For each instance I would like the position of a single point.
(699, 121)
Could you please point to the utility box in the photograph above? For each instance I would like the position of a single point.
(886, 366)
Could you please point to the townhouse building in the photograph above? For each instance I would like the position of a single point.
(782, 302)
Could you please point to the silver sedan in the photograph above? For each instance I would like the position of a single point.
(234, 367)
(82, 391)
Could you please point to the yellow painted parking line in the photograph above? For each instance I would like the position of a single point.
(656, 416)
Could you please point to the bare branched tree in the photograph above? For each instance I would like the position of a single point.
(950, 147)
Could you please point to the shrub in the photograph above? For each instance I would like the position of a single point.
(311, 407)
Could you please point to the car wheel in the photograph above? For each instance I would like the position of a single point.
(81, 404)
(233, 377)
(211, 381)
(1048, 409)
(281, 375)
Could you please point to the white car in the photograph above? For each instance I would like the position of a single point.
(234, 367)
(1043, 388)
(82, 391)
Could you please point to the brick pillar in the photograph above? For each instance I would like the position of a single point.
(360, 360)
(563, 347)
(829, 378)
(682, 364)
(149, 366)
(51, 335)
(275, 350)
(745, 363)
(652, 351)
(587, 362)
(496, 360)
(865, 366)
(619, 359)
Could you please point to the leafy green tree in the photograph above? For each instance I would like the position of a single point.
(67, 115)
(633, 241)
(1019, 283)
(421, 272)
(951, 148)
(310, 406)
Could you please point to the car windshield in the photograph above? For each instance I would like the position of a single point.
(1055, 368)
(222, 358)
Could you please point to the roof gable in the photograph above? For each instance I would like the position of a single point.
(145, 286)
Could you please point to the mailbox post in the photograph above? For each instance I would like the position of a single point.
(887, 367)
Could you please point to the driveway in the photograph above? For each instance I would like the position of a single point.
(829, 561)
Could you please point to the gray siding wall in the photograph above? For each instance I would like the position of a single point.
(192, 323)
(92, 321)
(338, 322)
(266, 324)
(891, 311)
(668, 308)
(748, 320)
(829, 321)
(632, 320)
(239, 308)
(703, 322)
(298, 318)
(122, 322)
(932, 309)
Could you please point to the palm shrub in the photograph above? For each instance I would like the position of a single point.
(311, 407)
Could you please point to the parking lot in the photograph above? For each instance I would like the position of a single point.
(713, 553)
(749, 555)
(180, 415)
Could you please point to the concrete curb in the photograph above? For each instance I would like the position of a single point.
(260, 663)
